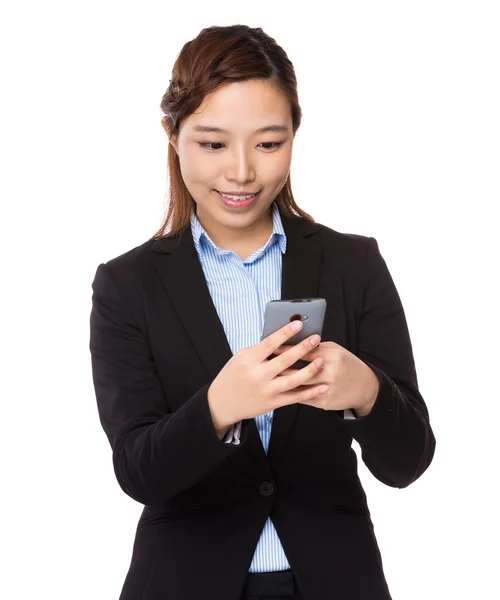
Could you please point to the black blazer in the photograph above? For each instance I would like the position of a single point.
(157, 343)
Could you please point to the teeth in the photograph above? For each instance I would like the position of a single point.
(236, 197)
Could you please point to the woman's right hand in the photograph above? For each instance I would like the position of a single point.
(250, 385)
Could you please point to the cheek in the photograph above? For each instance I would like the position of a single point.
(194, 168)
(274, 173)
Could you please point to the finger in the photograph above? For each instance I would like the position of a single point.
(269, 344)
(306, 394)
(287, 372)
(298, 377)
(282, 349)
(309, 356)
(295, 353)
(291, 372)
(312, 393)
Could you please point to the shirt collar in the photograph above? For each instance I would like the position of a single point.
(278, 232)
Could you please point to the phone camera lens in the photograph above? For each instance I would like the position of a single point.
(296, 317)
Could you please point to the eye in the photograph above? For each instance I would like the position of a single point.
(273, 144)
(205, 144)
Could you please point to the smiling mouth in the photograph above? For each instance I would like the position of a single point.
(237, 204)
(247, 194)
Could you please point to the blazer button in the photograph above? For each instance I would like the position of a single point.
(266, 488)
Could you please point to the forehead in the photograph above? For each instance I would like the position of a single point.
(242, 106)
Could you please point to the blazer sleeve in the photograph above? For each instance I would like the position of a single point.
(156, 454)
(396, 440)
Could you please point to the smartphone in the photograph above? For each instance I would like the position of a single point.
(311, 311)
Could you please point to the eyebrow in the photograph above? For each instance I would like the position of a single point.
(210, 129)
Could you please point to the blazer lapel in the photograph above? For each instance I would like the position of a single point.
(299, 279)
(177, 263)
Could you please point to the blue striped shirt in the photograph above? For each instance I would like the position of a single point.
(254, 282)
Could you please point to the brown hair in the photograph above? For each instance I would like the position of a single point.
(220, 55)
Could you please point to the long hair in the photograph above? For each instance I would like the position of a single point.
(219, 55)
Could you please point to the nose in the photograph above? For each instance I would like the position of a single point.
(241, 169)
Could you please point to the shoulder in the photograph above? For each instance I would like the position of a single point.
(132, 259)
(349, 245)
(129, 267)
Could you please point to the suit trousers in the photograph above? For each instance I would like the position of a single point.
(271, 586)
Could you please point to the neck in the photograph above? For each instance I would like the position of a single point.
(242, 240)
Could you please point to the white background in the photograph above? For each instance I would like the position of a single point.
(399, 141)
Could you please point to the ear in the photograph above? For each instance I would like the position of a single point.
(172, 139)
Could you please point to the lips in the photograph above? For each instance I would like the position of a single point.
(236, 204)
(238, 193)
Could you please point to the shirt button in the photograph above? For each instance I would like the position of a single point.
(266, 488)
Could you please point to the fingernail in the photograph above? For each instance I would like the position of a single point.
(323, 389)
(296, 325)
(314, 340)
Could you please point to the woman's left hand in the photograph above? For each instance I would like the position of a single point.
(353, 385)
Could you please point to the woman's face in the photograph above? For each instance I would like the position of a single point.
(239, 159)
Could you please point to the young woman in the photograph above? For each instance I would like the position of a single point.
(243, 463)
